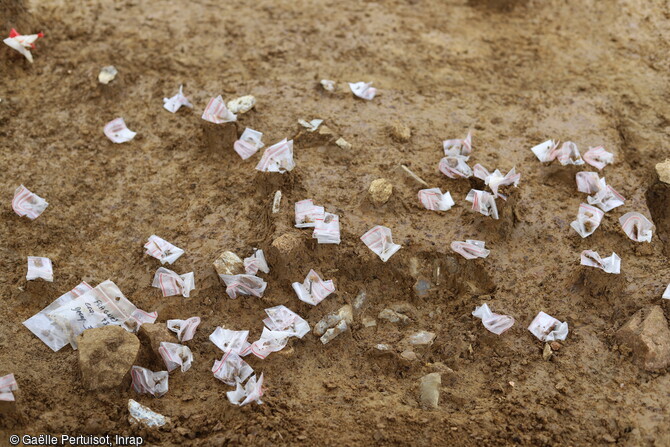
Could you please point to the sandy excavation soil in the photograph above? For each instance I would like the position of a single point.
(591, 72)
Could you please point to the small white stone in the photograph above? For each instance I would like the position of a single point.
(341, 142)
(107, 74)
(242, 104)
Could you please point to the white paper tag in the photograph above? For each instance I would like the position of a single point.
(101, 306)
(611, 264)
(216, 112)
(495, 180)
(458, 146)
(175, 355)
(589, 182)
(312, 125)
(547, 328)
(277, 158)
(45, 328)
(26, 203)
(327, 229)
(185, 329)
(455, 166)
(117, 131)
(483, 202)
(379, 240)
(546, 152)
(22, 44)
(243, 285)
(7, 385)
(174, 103)
(39, 268)
(281, 318)
(172, 283)
(363, 90)
(495, 323)
(470, 249)
(607, 198)
(588, 219)
(637, 227)
(249, 143)
(433, 199)
(146, 381)
(306, 213)
(162, 250)
(598, 157)
(251, 392)
(231, 369)
(256, 262)
(313, 290)
(227, 340)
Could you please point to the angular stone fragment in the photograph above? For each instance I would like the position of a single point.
(647, 337)
(154, 334)
(106, 355)
(393, 316)
(663, 171)
(429, 389)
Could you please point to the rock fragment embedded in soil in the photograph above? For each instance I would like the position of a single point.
(663, 171)
(7, 386)
(393, 317)
(106, 354)
(334, 332)
(107, 74)
(419, 338)
(647, 337)
(229, 264)
(429, 389)
(344, 144)
(328, 85)
(139, 414)
(344, 313)
(400, 132)
(380, 191)
(547, 352)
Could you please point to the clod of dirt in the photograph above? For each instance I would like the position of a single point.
(322, 135)
(429, 390)
(229, 264)
(410, 356)
(663, 171)
(647, 337)
(218, 138)
(242, 104)
(393, 317)
(400, 132)
(153, 334)
(106, 355)
(10, 415)
(380, 191)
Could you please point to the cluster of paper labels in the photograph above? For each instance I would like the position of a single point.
(86, 307)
